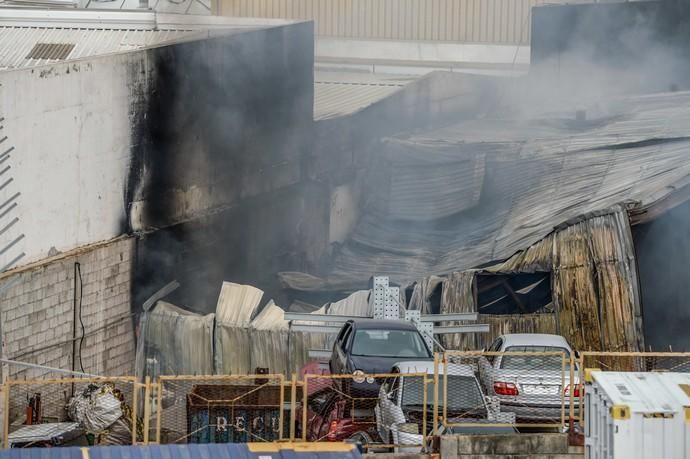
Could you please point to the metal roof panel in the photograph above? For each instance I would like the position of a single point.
(344, 93)
(19, 43)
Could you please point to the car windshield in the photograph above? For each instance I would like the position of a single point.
(535, 362)
(389, 343)
(464, 394)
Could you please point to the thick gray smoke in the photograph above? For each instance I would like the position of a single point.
(584, 55)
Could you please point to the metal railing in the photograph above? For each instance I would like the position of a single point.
(501, 389)
(400, 411)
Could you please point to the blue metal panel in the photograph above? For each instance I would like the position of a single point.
(195, 451)
(191, 451)
(41, 453)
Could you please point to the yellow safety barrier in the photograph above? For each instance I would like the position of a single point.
(536, 390)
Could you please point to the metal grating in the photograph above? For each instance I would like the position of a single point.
(50, 51)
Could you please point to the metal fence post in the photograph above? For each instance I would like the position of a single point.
(159, 409)
(293, 405)
(305, 391)
(135, 399)
(434, 430)
(147, 409)
(571, 401)
(281, 412)
(563, 392)
(424, 404)
(445, 388)
(6, 426)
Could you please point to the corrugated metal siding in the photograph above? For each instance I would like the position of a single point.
(338, 99)
(340, 93)
(17, 42)
(473, 21)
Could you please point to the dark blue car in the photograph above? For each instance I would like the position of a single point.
(367, 346)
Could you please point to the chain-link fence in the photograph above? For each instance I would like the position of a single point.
(221, 409)
(76, 411)
(464, 392)
(380, 411)
(675, 362)
(481, 390)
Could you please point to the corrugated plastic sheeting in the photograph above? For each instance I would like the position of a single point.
(183, 338)
(594, 284)
(237, 303)
(420, 300)
(538, 173)
(271, 317)
(457, 296)
(357, 304)
(17, 42)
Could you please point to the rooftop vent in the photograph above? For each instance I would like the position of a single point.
(50, 51)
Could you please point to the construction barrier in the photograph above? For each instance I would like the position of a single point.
(393, 411)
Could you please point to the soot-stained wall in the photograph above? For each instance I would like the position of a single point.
(219, 183)
(663, 258)
(279, 231)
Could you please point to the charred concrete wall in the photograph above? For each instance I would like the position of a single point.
(218, 184)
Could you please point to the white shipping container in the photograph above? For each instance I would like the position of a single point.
(637, 415)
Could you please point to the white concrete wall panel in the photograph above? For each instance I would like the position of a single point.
(70, 129)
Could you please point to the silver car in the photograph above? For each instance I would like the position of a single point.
(400, 408)
(534, 387)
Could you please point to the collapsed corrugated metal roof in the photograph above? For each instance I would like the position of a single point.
(512, 180)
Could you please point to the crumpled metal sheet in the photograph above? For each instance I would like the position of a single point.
(182, 340)
(237, 303)
(356, 304)
(188, 343)
(538, 172)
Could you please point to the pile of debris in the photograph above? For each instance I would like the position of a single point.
(102, 412)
